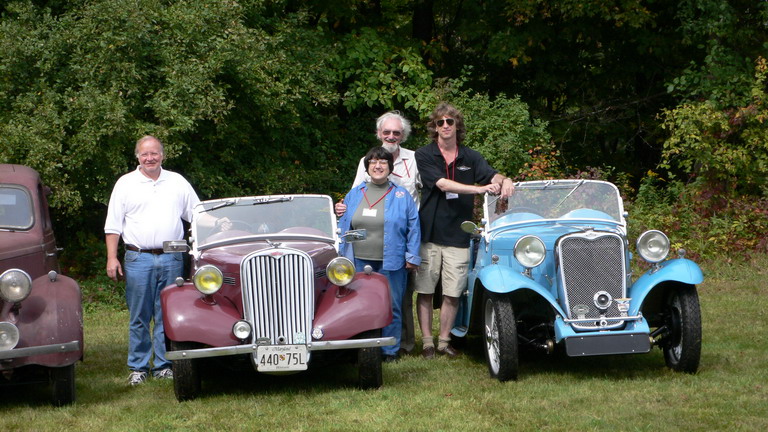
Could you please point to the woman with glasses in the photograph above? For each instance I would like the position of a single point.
(389, 215)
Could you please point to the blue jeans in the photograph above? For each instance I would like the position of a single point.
(145, 275)
(397, 282)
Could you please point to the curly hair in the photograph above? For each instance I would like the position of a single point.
(445, 109)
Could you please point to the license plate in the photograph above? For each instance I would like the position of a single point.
(278, 358)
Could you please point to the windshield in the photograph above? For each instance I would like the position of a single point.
(284, 214)
(15, 209)
(556, 199)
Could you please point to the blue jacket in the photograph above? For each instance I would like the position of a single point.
(402, 234)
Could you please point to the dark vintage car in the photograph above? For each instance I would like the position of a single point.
(41, 316)
(267, 286)
(553, 272)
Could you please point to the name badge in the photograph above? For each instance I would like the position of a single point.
(369, 212)
(451, 195)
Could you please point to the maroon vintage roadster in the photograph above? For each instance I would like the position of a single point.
(41, 315)
(267, 284)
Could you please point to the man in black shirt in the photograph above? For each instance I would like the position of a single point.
(451, 176)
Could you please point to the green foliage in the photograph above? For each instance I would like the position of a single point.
(502, 130)
(728, 146)
(279, 96)
(731, 35)
(101, 292)
(82, 86)
(376, 72)
(701, 219)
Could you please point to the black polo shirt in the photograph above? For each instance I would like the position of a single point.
(441, 218)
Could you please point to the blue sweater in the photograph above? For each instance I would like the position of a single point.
(402, 234)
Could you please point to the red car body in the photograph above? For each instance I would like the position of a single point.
(48, 322)
(274, 279)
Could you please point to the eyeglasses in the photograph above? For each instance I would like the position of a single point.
(440, 122)
(149, 154)
(396, 133)
(375, 162)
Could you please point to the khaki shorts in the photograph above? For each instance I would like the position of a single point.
(450, 263)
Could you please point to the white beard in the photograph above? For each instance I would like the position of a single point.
(390, 147)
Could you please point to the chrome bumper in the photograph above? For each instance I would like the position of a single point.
(251, 348)
(40, 350)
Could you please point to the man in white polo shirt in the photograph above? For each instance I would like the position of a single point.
(146, 208)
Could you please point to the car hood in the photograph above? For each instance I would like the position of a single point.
(548, 231)
(234, 253)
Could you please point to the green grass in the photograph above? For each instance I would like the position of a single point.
(730, 391)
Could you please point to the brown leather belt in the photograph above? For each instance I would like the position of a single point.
(139, 250)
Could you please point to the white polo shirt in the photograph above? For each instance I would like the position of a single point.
(404, 173)
(147, 212)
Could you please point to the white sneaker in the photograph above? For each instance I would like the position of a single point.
(137, 377)
(166, 373)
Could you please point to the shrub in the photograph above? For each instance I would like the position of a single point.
(701, 218)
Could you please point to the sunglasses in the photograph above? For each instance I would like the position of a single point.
(396, 133)
(440, 122)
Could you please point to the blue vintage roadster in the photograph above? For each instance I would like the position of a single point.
(552, 271)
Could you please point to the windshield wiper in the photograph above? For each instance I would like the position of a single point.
(569, 194)
(226, 203)
(259, 201)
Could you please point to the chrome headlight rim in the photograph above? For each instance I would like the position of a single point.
(208, 279)
(340, 271)
(653, 246)
(530, 251)
(15, 285)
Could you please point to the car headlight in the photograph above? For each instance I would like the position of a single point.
(208, 279)
(530, 251)
(242, 330)
(340, 271)
(15, 285)
(9, 336)
(653, 246)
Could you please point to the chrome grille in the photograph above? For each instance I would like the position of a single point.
(590, 263)
(278, 295)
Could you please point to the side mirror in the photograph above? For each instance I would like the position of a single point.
(355, 235)
(175, 246)
(469, 227)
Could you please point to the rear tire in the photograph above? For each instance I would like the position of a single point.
(186, 373)
(369, 363)
(63, 385)
(682, 316)
(500, 337)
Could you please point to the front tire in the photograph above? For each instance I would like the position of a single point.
(186, 373)
(63, 385)
(682, 316)
(500, 337)
(369, 364)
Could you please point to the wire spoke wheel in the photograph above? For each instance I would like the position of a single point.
(682, 347)
(500, 338)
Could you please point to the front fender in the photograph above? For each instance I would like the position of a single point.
(365, 304)
(502, 280)
(187, 318)
(675, 270)
(52, 314)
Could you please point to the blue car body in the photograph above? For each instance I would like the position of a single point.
(582, 295)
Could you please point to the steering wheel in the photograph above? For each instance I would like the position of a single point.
(521, 209)
(241, 225)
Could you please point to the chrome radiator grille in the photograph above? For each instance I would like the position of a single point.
(591, 263)
(278, 295)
